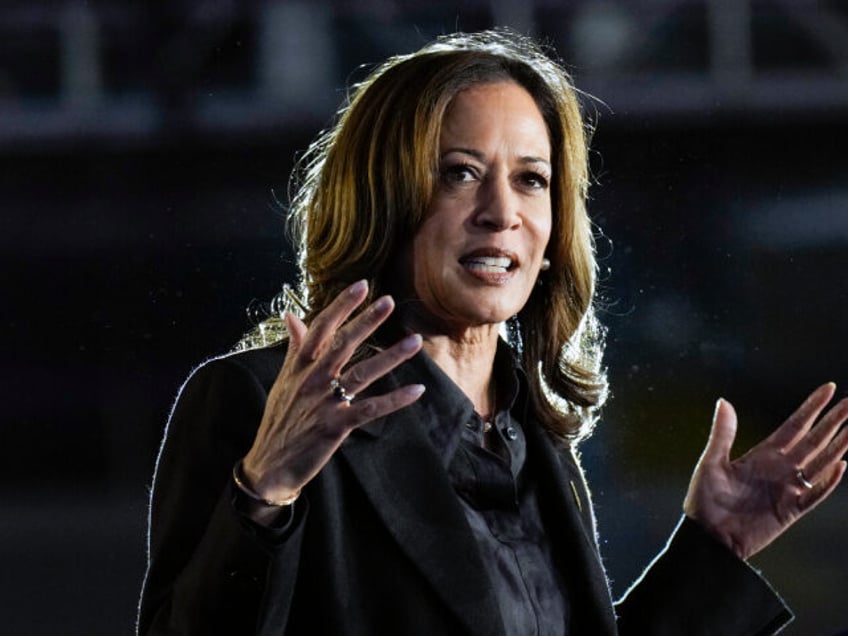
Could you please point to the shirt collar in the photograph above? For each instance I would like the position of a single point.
(444, 409)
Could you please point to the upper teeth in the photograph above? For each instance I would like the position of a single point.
(491, 261)
(493, 264)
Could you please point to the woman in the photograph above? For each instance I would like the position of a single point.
(395, 466)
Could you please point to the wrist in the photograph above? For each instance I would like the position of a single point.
(722, 536)
(244, 485)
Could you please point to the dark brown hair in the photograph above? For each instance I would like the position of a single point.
(364, 185)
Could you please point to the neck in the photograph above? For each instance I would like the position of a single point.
(468, 360)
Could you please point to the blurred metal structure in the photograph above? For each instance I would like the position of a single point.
(121, 70)
(144, 148)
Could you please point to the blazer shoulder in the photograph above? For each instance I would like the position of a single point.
(263, 364)
(223, 397)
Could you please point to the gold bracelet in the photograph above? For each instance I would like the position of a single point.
(277, 503)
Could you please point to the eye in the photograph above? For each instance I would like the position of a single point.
(534, 180)
(459, 173)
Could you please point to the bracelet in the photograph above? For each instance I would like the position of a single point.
(277, 503)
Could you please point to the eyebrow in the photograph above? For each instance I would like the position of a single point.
(481, 157)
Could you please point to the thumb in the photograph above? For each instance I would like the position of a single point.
(722, 434)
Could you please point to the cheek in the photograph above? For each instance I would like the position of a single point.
(426, 255)
(434, 237)
(542, 230)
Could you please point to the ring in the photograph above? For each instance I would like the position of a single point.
(339, 392)
(802, 479)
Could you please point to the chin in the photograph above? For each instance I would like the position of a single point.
(491, 315)
(464, 308)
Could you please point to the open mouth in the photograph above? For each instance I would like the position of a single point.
(489, 264)
(489, 261)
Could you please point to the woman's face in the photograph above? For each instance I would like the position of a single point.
(479, 250)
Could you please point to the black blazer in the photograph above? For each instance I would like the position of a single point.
(378, 543)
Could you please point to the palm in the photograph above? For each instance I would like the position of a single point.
(750, 501)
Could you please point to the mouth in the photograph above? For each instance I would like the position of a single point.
(489, 262)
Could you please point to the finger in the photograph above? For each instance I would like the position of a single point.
(296, 330)
(363, 411)
(809, 499)
(821, 435)
(834, 452)
(797, 424)
(327, 322)
(346, 340)
(361, 375)
(722, 434)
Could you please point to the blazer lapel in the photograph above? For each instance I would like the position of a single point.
(567, 508)
(403, 477)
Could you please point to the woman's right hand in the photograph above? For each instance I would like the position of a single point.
(304, 421)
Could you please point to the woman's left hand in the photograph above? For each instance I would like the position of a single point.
(749, 502)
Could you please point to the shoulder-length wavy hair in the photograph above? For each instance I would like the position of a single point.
(363, 187)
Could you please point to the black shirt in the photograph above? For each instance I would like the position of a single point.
(497, 491)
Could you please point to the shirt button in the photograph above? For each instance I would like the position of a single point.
(511, 433)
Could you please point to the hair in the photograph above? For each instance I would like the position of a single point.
(362, 189)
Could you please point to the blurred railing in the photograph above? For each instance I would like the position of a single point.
(126, 70)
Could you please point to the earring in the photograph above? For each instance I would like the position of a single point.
(546, 264)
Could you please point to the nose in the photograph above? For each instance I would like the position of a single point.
(498, 205)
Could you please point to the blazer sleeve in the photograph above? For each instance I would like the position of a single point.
(697, 586)
(208, 564)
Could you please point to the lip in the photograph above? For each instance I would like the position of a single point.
(491, 265)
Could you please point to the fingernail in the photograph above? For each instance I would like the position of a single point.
(383, 304)
(414, 390)
(358, 287)
(410, 343)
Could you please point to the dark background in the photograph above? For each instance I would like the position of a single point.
(144, 159)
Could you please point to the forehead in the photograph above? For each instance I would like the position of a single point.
(488, 111)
